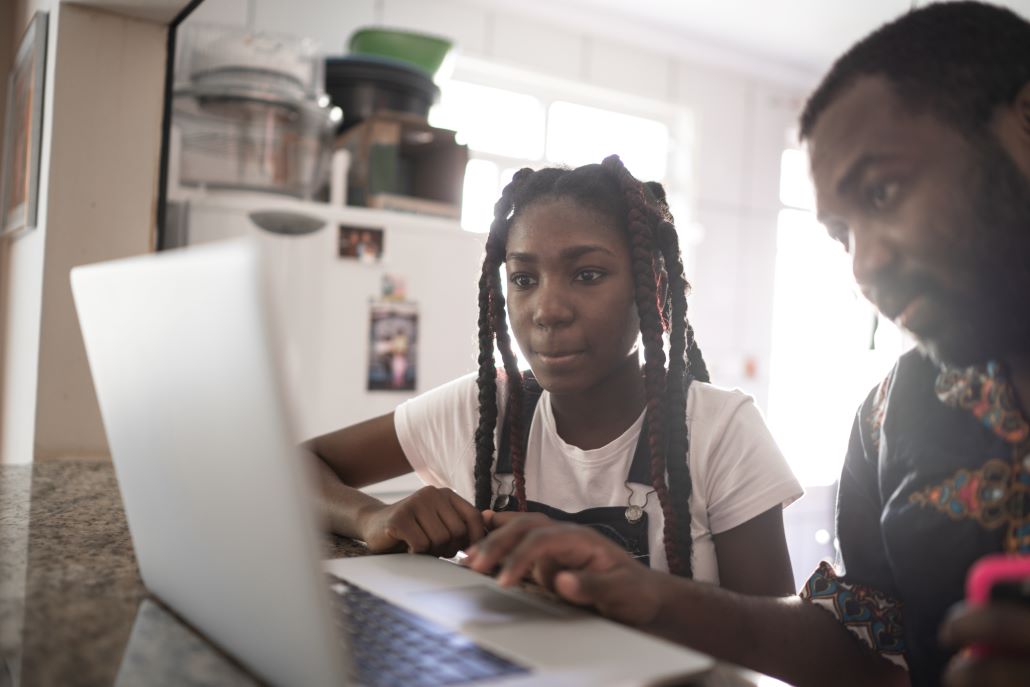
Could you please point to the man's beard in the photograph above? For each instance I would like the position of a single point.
(992, 246)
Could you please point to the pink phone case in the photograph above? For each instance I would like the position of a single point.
(992, 569)
(987, 572)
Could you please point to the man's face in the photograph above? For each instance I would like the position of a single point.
(938, 227)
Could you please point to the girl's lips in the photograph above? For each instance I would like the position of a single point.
(559, 358)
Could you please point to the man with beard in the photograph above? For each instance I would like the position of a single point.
(920, 147)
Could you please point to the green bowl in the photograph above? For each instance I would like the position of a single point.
(425, 52)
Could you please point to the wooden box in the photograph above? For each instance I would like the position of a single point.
(399, 162)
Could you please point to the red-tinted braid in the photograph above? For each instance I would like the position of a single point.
(491, 307)
(643, 253)
(676, 389)
(487, 379)
(487, 385)
(513, 412)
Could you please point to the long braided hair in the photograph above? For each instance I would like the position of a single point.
(661, 298)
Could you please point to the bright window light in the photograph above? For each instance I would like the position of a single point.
(578, 135)
(825, 356)
(479, 195)
(492, 120)
(796, 189)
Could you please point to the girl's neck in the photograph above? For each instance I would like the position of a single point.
(595, 417)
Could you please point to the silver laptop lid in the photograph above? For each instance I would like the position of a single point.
(216, 494)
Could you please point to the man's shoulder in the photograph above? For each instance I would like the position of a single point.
(913, 372)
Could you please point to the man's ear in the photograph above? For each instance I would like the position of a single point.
(1012, 126)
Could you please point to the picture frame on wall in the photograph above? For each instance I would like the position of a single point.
(393, 346)
(23, 131)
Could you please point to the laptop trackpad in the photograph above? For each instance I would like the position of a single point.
(484, 605)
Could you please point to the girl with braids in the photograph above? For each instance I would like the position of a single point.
(683, 475)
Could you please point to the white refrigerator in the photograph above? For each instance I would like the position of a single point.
(328, 305)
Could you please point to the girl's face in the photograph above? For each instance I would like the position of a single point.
(570, 295)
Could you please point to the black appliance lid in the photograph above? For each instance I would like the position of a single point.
(343, 71)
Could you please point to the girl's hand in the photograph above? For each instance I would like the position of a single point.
(432, 520)
(576, 562)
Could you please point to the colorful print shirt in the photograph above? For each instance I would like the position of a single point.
(937, 475)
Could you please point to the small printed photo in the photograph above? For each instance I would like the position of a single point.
(364, 244)
(393, 349)
(394, 287)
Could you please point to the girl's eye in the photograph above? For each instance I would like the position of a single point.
(589, 275)
(521, 280)
(880, 195)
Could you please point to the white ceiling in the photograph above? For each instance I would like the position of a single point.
(162, 11)
(805, 34)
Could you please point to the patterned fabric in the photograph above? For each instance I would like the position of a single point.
(868, 614)
(879, 409)
(937, 475)
(979, 495)
(985, 392)
(998, 493)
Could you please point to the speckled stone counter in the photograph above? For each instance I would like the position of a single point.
(73, 610)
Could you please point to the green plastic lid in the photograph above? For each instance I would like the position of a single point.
(424, 51)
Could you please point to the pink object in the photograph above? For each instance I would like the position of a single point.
(987, 572)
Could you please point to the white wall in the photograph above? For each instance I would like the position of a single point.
(741, 111)
(98, 186)
(22, 280)
(104, 178)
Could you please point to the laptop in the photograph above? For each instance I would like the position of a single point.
(219, 502)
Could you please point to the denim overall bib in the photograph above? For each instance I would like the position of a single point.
(625, 525)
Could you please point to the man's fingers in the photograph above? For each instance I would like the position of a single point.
(1000, 625)
(488, 553)
(567, 546)
(620, 593)
(503, 518)
(964, 671)
(569, 585)
(592, 588)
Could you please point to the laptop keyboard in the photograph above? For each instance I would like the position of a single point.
(392, 647)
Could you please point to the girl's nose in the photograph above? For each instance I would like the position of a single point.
(551, 307)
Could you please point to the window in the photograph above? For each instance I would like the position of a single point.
(492, 120)
(578, 135)
(829, 345)
(507, 130)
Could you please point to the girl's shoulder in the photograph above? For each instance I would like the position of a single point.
(461, 391)
(710, 402)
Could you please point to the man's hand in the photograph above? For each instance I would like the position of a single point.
(432, 520)
(576, 562)
(1005, 628)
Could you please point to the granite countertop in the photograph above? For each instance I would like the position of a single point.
(73, 609)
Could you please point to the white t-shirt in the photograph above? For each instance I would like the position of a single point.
(737, 470)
